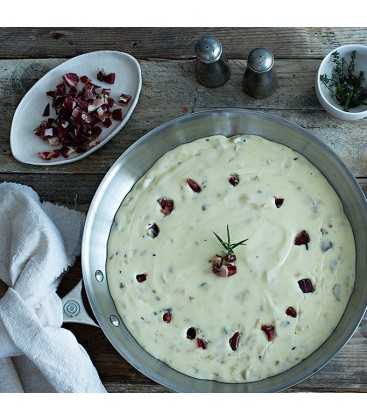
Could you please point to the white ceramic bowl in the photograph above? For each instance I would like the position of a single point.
(326, 97)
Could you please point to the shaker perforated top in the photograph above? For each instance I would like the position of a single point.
(208, 49)
(260, 60)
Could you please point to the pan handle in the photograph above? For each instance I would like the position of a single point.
(73, 309)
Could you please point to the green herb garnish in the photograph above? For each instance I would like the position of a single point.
(227, 245)
(346, 87)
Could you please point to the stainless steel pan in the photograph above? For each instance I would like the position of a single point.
(136, 161)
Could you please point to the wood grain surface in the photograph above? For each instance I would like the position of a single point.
(170, 90)
(174, 43)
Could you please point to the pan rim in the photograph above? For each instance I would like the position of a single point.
(89, 283)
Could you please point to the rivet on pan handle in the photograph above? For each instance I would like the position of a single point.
(73, 309)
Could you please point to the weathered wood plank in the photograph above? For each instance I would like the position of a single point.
(73, 191)
(163, 98)
(174, 43)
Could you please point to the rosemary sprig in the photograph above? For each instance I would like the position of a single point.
(228, 245)
(344, 84)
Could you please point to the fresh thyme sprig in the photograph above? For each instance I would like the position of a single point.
(344, 84)
(228, 245)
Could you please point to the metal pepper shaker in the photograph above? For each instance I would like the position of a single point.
(260, 79)
(212, 68)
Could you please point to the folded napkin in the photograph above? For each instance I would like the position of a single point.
(38, 242)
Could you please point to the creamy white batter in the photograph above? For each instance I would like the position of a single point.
(151, 275)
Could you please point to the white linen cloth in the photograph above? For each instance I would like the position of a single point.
(38, 242)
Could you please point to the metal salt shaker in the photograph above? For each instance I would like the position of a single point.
(212, 68)
(260, 79)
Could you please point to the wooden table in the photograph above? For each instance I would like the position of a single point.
(167, 60)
